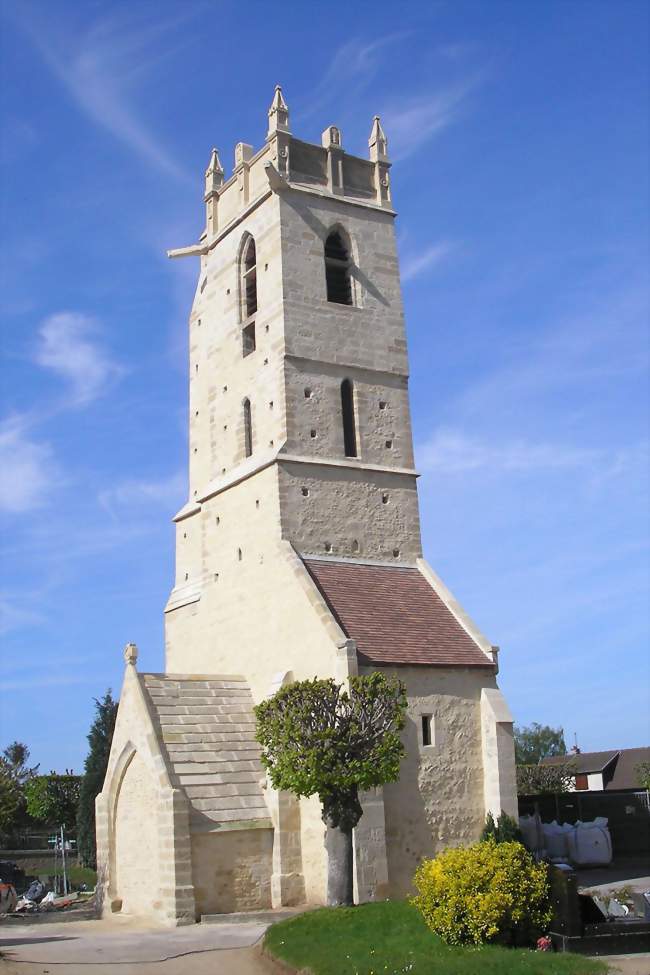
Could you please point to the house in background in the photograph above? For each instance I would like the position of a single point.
(610, 771)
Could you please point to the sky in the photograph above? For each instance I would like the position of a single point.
(518, 134)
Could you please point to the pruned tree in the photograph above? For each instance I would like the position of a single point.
(538, 741)
(100, 737)
(318, 738)
(535, 780)
(53, 798)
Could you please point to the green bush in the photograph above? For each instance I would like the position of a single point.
(503, 831)
(486, 892)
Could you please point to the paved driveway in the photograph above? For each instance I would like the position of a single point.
(127, 946)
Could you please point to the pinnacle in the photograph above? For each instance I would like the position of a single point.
(214, 166)
(278, 99)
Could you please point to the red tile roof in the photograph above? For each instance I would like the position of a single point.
(394, 615)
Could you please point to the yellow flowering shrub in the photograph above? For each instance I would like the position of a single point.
(486, 892)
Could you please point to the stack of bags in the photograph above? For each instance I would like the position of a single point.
(584, 844)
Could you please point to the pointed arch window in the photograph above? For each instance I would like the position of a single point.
(249, 278)
(337, 269)
(248, 428)
(347, 411)
(248, 296)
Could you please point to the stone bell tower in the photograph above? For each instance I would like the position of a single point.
(298, 554)
(299, 419)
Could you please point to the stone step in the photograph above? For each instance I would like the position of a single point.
(241, 744)
(203, 768)
(231, 789)
(226, 717)
(220, 803)
(169, 708)
(233, 815)
(178, 735)
(203, 758)
(221, 778)
(206, 700)
(258, 917)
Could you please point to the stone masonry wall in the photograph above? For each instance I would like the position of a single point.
(438, 801)
(232, 870)
(136, 841)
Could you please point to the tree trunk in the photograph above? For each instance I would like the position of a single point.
(341, 813)
(338, 844)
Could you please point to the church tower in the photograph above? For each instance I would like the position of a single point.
(298, 552)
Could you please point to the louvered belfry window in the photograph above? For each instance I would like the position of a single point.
(337, 270)
(249, 279)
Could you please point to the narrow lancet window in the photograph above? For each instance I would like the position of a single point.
(249, 279)
(337, 270)
(248, 428)
(347, 410)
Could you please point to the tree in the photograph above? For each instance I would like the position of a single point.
(53, 799)
(536, 742)
(100, 737)
(545, 779)
(16, 756)
(643, 774)
(504, 830)
(14, 775)
(319, 739)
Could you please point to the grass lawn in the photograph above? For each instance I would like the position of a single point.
(391, 937)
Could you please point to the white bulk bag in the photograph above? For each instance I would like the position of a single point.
(590, 845)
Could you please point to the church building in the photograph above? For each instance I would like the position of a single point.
(298, 554)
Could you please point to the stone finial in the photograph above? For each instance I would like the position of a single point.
(331, 137)
(377, 142)
(213, 174)
(131, 654)
(278, 113)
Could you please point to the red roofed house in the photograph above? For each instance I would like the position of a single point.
(298, 554)
(611, 771)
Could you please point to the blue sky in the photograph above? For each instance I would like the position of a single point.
(519, 138)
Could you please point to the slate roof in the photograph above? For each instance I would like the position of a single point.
(584, 762)
(207, 726)
(394, 615)
(620, 765)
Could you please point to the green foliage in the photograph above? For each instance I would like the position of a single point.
(317, 738)
(53, 798)
(536, 742)
(389, 937)
(643, 774)
(10, 799)
(505, 830)
(14, 776)
(99, 739)
(482, 893)
(533, 780)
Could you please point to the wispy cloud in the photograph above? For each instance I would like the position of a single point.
(68, 345)
(28, 469)
(414, 265)
(411, 121)
(54, 680)
(132, 494)
(453, 452)
(101, 63)
(352, 67)
(13, 616)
